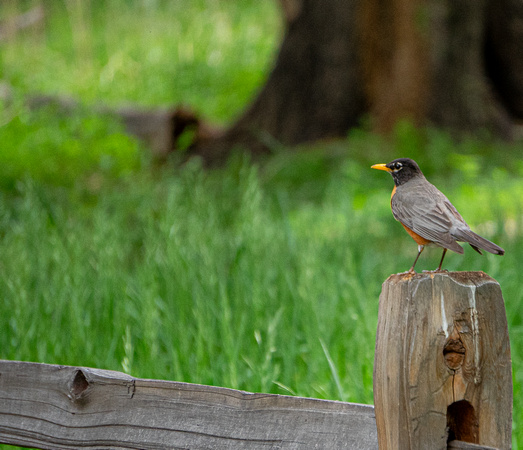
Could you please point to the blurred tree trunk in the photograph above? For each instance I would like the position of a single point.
(452, 63)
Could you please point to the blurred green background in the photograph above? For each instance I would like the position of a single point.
(264, 275)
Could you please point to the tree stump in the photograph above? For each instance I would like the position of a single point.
(442, 369)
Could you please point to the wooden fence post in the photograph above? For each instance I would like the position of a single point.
(442, 368)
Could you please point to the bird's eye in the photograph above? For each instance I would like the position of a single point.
(398, 166)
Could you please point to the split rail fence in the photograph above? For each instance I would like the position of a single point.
(442, 380)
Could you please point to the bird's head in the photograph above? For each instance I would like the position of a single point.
(402, 170)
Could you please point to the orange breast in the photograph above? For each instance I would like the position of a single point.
(419, 240)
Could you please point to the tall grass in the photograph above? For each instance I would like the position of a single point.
(196, 278)
(222, 277)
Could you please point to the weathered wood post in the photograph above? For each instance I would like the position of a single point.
(442, 368)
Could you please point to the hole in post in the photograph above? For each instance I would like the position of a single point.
(462, 423)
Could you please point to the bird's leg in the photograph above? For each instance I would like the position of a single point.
(441, 262)
(420, 249)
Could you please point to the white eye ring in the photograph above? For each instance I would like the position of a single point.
(397, 166)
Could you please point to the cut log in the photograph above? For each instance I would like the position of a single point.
(160, 129)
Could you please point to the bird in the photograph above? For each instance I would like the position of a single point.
(427, 214)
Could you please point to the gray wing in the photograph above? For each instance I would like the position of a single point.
(427, 212)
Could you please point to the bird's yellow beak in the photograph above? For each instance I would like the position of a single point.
(381, 167)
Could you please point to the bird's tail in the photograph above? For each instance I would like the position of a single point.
(477, 242)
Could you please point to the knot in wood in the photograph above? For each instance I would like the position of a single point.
(78, 386)
(454, 353)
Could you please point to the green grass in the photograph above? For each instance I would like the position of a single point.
(200, 277)
(211, 55)
(263, 277)
(57, 149)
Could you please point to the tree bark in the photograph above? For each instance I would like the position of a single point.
(504, 53)
(456, 64)
(314, 90)
(462, 96)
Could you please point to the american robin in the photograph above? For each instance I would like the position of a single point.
(427, 215)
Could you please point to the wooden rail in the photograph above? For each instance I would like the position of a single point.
(63, 407)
